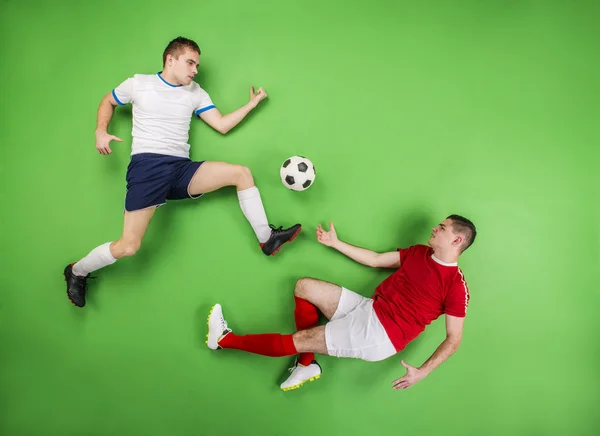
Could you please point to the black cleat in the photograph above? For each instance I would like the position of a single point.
(279, 236)
(76, 286)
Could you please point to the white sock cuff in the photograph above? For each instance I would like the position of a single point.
(249, 193)
(106, 252)
(98, 258)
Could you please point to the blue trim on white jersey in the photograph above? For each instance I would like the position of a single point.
(170, 84)
(116, 99)
(204, 109)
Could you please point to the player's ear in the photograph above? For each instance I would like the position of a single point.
(458, 239)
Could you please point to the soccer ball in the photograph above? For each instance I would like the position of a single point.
(297, 173)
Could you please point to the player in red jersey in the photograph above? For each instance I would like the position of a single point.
(426, 284)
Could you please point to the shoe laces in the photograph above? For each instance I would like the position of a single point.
(224, 327)
(293, 367)
(276, 229)
(83, 280)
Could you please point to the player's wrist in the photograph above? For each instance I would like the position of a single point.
(424, 371)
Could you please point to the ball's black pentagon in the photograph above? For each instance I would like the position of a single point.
(306, 184)
(286, 163)
(290, 180)
(314, 170)
(302, 167)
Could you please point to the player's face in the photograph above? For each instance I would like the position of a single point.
(442, 235)
(185, 67)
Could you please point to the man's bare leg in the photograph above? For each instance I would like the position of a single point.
(134, 227)
(310, 296)
(216, 175)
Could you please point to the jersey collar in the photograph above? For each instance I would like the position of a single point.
(441, 262)
(170, 84)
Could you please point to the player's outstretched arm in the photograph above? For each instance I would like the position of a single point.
(224, 123)
(105, 113)
(454, 328)
(360, 255)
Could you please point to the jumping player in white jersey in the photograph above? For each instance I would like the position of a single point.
(160, 168)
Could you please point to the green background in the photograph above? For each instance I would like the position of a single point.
(410, 111)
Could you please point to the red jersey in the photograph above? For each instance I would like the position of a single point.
(421, 290)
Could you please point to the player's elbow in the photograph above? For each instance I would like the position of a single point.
(222, 128)
(379, 260)
(374, 261)
(454, 341)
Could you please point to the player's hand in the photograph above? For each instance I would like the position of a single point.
(103, 139)
(327, 238)
(413, 375)
(257, 97)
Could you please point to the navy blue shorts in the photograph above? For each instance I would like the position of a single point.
(152, 179)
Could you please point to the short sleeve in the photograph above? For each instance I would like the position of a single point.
(457, 300)
(202, 101)
(405, 253)
(123, 93)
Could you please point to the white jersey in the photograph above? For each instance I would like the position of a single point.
(161, 113)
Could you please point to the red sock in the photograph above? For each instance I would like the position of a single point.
(270, 344)
(306, 317)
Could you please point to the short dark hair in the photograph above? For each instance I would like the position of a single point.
(464, 226)
(176, 47)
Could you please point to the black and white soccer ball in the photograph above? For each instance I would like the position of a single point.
(297, 173)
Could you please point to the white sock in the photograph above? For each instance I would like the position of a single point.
(254, 212)
(98, 258)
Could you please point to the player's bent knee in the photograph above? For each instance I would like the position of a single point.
(130, 248)
(244, 175)
(307, 288)
(301, 289)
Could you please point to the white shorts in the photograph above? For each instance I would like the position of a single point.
(355, 331)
